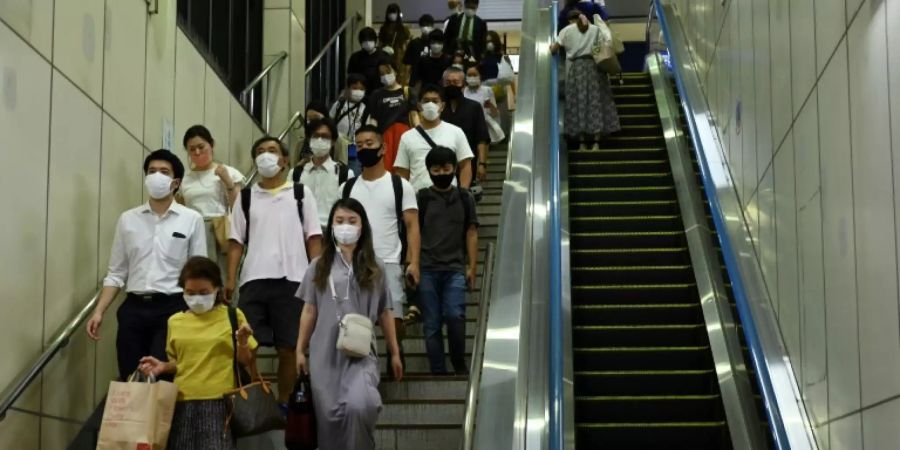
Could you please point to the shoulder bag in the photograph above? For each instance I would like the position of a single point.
(356, 335)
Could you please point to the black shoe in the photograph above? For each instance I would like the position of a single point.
(413, 315)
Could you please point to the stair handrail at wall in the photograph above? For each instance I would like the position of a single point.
(478, 349)
(248, 95)
(334, 42)
(62, 338)
(791, 427)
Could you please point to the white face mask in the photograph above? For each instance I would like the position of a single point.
(473, 81)
(356, 95)
(392, 17)
(471, 12)
(389, 79)
(346, 234)
(368, 46)
(427, 30)
(320, 146)
(459, 66)
(159, 185)
(267, 163)
(437, 48)
(431, 111)
(200, 304)
(490, 46)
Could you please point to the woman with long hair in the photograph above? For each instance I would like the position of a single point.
(346, 279)
(393, 37)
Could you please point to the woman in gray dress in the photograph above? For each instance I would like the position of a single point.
(346, 279)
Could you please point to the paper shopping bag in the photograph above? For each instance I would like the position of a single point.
(138, 416)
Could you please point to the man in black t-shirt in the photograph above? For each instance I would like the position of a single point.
(430, 68)
(468, 115)
(366, 61)
(418, 47)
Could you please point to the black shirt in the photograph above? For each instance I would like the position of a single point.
(469, 116)
(366, 64)
(414, 51)
(430, 70)
(444, 224)
(389, 107)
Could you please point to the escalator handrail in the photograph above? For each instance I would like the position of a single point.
(15, 389)
(556, 401)
(757, 356)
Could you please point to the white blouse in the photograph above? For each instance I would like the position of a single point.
(204, 192)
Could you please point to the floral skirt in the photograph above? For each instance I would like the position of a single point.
(200, 425)
(590, 109)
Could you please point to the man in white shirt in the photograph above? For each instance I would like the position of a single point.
(322, 174)
(417, 142)
(151, 245)
(280, 238)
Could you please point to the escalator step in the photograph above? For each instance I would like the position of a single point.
(680, 275)
(624, 166)
(662, 312)
(645, 193)
(616, 141)
(642, 358)
(630, 239)
(629, 256)
(642, 335)
(638, 119)
(616, 154)
(644, 382)
(614, 180)
(637, 293)
(647, 408)
(656, 435)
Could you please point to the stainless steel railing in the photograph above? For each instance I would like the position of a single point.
(333, 44)
(248, 95)
(478, 349)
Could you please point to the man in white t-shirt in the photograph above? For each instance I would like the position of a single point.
(414, 145)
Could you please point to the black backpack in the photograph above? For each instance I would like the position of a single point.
(398, 207)
(245, 206)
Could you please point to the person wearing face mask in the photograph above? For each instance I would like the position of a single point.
(151, 245)
(449, 226)
(200, 347)
(391, 205)
(276, 230)
(209, 188)
(430, 68)
(416, 143)
(321, 174)
(418, 47)
(467, 32)
(347, 279)
(366, 60)
(484, 96)
(392, 109)
(469, 116)
(456, 9)
(394, 36)
(349, 112)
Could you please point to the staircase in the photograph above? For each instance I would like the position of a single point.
(644, 374)
(425, 411)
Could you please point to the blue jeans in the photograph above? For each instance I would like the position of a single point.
(442, 297)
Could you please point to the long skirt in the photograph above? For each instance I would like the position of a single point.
(392, 143)
(200, 425)
(590, 109)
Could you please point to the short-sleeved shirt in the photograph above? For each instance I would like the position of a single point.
(204, 192)
(389, 107)
(323, 181)
(576, 43)
(349, 117)
(201, 346)
(377, 197)
(277, 247)
(366, 64)
(414, 148)
(469, 116)
(430, 70)
(448, 216)
(416, 49)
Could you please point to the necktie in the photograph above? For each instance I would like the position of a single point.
(467, 29)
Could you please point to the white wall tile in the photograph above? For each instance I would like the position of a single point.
(779, 25)
(277, 4)
(160, 88)
(78, 44)
(767, 242)
(852, 7)
(893, 32)
(812, 300)
(788, 273)
(803, 51)
(806, 151)
(218, 114)
(822, 435)
(20, 431)
(276, 38)
(33, 20)
(831, 22)
(846, 434)
(879, 425)
(56, 433)
(298, 65)
(123, 80)
(874, 203)
(276, 31)
(24, 124)
(837, 227)
(747, 97)
(763, 86)
(190, 91)
(72, 234)
(241, 138)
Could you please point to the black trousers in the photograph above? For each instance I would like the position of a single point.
(143, 325)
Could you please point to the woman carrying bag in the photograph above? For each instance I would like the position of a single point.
(345, 293)
(201, 356)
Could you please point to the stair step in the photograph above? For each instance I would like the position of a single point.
(416, 345)
(422, 412)
(430, 436)
(435, 388)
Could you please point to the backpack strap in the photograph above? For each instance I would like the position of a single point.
(298, 172)
(397, 183)
(342, 171)
(348, 187)
(298, 195)
(245, 207)
(426, 137)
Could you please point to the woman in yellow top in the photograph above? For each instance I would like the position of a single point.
(200, 351)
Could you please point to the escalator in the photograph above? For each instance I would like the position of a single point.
(644, 373)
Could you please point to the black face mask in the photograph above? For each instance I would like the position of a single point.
(453, 92)
(442, 181)
(368, 157)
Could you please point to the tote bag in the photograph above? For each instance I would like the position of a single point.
(138, 415)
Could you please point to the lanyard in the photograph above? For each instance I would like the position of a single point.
(334, 296)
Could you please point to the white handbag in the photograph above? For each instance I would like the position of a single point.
(356, 332)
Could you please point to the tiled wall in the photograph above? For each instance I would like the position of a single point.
(86, 87)
(813, 148)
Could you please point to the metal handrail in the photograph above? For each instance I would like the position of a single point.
(315, 62)
(478, 349)
(249, 90)
(650, 16)
(287, 129)
(15, 390)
